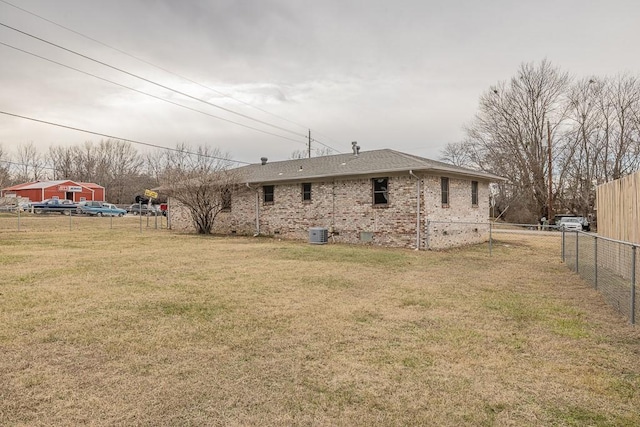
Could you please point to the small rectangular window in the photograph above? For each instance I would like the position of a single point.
(306, 192)
(380, 191)
(474, 193)
(267, 193)
(444, 188)
(225, 200)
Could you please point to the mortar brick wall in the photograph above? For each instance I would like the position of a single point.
(460, 223)
(345, 207)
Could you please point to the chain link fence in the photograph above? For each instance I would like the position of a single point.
(610, 266)
(30, 222)
(447, 234)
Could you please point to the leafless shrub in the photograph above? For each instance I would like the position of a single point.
(202, 181)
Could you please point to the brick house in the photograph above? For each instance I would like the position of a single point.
(381, 197)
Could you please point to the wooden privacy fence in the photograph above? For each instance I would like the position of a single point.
(618, 204)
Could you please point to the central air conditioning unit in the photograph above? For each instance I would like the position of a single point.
(318, 235)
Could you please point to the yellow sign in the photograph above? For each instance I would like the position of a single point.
(151, 194)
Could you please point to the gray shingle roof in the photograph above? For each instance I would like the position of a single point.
(343, 165)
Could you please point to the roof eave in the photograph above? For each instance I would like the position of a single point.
(432, 170)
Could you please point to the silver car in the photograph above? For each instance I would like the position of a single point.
(570, 224)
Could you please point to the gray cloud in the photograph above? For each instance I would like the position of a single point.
(403, 74)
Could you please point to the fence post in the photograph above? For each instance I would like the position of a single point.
(563, 242)
(18, 218)
(595, 262)
(633, 284)
(490, 237)
(428, 234)
(577, 237)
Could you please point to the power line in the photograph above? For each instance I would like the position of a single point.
(146, 93)
(325, 145)
(147, 80)
(27, 164)
(133, 141)
(169, 71)
(150, 63)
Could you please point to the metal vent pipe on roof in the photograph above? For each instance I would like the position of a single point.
(355, 147)
(263, 160)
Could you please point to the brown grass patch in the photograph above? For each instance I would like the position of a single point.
(111, 326)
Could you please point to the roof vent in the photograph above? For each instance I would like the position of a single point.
(355, 147)
(263, 160)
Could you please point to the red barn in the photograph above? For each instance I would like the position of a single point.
(65, 189)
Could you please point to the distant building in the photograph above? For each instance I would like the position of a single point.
(380, 197)
(63, 189)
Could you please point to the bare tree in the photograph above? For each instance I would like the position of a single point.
(601, 141)
(155, 165)
(620, 107)
(63, 162)
(114, 164)
(595, 125)
(202, 182)
(323, 151)
(509, 133)
(304, 154)
(299, 154)
(458, 154)
(579, 149)
(87, 160)
(30, 163)
(5, 169)
(119, 167)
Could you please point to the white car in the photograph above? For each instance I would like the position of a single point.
(570, 224)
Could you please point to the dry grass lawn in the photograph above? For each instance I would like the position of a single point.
(118, 327)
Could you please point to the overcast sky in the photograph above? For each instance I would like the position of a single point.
(399, 74)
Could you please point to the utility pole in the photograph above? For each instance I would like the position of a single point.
(550, 197)
(309, 143)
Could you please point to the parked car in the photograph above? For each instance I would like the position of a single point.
(137, 209)
(63, 206)
(91, 203)
(584, 221)
(15, 207)
(571, 223)
(100, 209)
